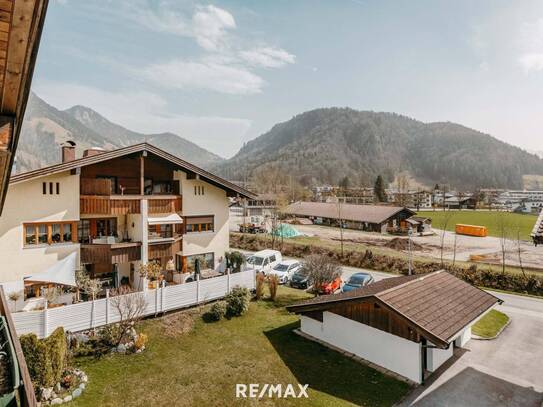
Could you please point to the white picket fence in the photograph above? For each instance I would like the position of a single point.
(92, 314)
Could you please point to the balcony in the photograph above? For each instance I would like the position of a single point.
(110, 253)
(164, 250)
(104, 197)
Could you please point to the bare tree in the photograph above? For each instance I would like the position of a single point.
(519, 248)
(14, 296)
(87, 285)
(321, 270)
(130, 306)
(503, 230)
(446, 220)
(340, 224)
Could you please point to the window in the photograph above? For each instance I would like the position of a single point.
(207, 261)
(106, 227)
(198, 190)
(83, 231)
(47, 233)
(58, 188)
(50, 188)
(272, 258)
(44, 188)
(199, 224)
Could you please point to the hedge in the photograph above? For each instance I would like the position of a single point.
(529, 283)
(46, 358)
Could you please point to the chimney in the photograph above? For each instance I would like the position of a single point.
(68, 151)
(89, 152)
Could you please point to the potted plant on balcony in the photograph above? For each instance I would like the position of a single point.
(170, 268)
(152, 272)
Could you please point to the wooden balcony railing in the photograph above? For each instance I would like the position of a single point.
(110, 253)
(165, 205)
(125, 204)
(103, 205)
(165, 250)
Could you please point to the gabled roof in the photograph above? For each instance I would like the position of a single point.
(351, 212)
(438, 304)
(183, 165)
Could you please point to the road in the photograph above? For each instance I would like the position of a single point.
(528, 306)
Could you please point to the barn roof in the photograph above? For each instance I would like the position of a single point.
(350, 212)
(438, 304)
(183, 165)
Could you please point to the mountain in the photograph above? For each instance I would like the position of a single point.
(45, 128)
(326, 145)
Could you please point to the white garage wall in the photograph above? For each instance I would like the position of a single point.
(436, 357)
(389, 351)
(463, 338)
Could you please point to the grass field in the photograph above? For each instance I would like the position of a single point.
(201, 368)
(489, 325)
(513, 221)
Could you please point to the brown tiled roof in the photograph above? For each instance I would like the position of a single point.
(438, 303)
(358, 213)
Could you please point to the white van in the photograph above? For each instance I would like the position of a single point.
(264, 260)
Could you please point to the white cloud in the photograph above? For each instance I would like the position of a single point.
(531, 62)
(214, 76)
(210, 25)
(147, 112)
(268, 57)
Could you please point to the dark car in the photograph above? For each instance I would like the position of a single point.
(357, 280)
(300, 279)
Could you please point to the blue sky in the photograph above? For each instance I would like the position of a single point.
(222, 73)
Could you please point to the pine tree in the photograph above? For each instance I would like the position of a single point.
(379, 190)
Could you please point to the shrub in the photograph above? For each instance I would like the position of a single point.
(217, 311)
(140, 341)
(58, 353)
(47, 359)
(37, 360)
(237, 301)
(259, 286)
(273, 283)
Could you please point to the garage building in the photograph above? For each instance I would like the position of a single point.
(371, 218)
(409, 325)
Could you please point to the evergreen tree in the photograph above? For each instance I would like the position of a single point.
(379, 190)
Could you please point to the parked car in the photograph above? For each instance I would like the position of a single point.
(300, 279)
(331, 287)
(357, 280)
(264, 260)
(285, 270)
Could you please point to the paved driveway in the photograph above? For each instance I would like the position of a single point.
(507, 371)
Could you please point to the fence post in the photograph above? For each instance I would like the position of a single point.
(93, 323)
(162, 296)
(227, 281)
(107, 306)
(197, 288)
(45, 320)
(157, 288)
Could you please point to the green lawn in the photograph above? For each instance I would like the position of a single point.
(490, 219)
(489, 325)
(201, 368)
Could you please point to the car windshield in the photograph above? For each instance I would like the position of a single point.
(281, 267)
(357, 280)
(301, 273)
(257, 261)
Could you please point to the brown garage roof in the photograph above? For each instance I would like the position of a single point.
(437, 303)
(357, 213)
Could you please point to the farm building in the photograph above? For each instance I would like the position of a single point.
(537, 232)
(409, 325)
(371, 218)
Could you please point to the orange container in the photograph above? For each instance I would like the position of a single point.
(471, 230)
